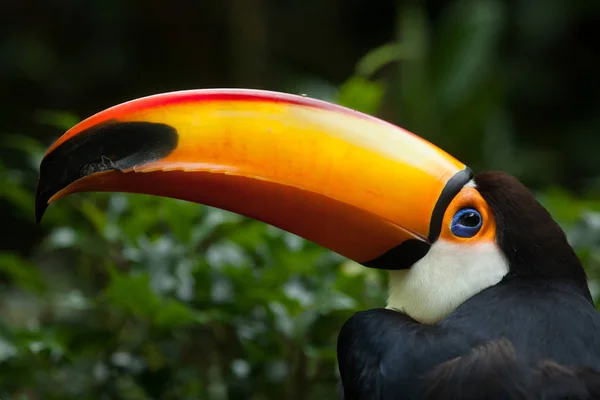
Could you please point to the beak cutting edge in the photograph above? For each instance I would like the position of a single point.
(355, 184)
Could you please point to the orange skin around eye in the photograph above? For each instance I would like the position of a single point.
(469, 197)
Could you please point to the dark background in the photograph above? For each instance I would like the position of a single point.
(131, 297)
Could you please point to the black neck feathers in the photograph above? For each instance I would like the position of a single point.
(533, 243)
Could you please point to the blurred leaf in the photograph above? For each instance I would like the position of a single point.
(361, 95)
(94, 214)
(565, 207)
(381, 56)
(7, 350)
(415, 96)
(173, 314)
(133, 294)
(31, 147)
(467, 44)
(62, 120)
(18, 196)
(22, 273)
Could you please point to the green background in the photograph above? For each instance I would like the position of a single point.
(119, 296)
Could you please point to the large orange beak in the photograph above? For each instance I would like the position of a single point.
(359, 186)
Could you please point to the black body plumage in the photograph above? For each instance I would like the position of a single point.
(535, 335)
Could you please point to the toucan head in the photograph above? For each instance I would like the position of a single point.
(352, 183)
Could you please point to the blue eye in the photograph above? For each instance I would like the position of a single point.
(466, 223)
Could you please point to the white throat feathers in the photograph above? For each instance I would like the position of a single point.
(448, 275)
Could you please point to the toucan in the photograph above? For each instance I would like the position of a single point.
(487, 299)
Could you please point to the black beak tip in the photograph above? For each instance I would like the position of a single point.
(41, 204)
(111, 145)
(39, 212)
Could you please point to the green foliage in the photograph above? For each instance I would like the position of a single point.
(361, 94)
(135, 297)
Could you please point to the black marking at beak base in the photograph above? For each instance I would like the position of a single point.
(409, 252)
(453, 186)
(402, 256)
(108, 146)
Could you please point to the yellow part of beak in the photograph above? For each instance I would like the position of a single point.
(357, 185)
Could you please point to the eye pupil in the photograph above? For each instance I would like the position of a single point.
(470, 219)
